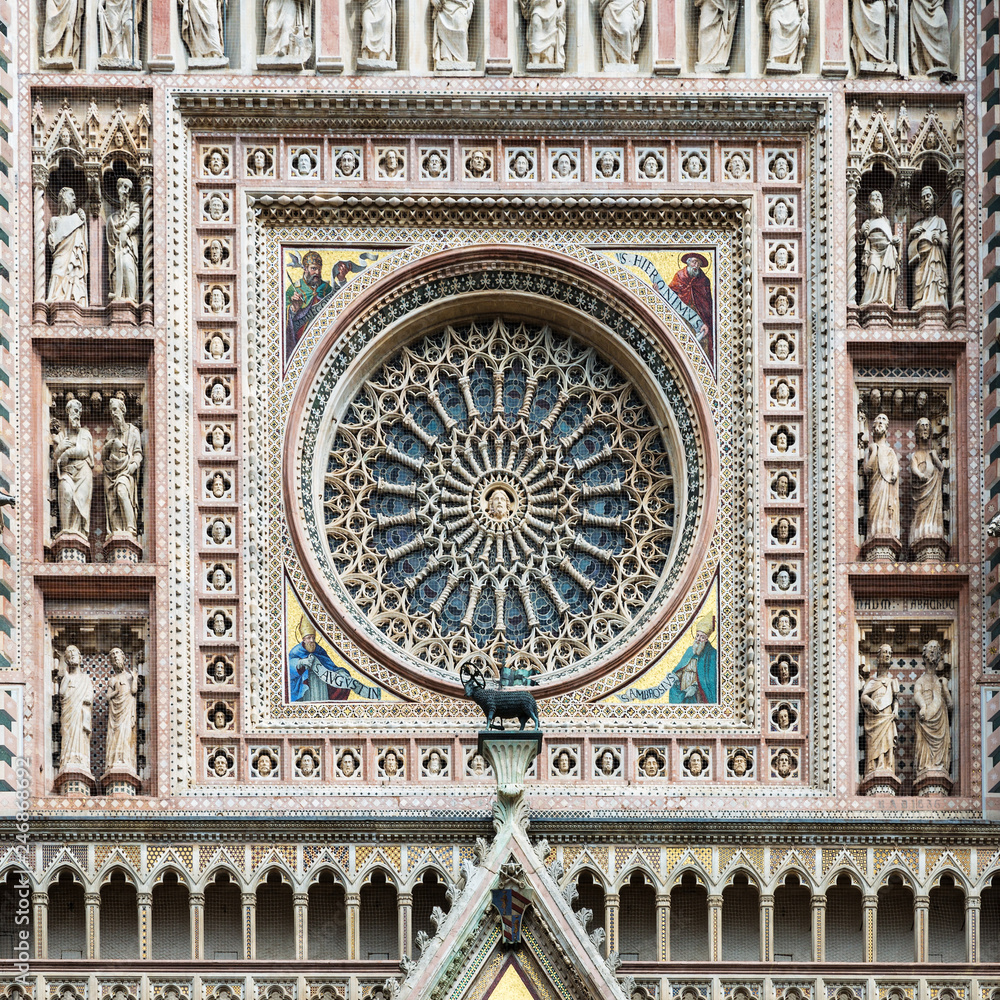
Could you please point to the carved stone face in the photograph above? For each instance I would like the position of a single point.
(477, 765)
(739, 765)
(218, 485)
(606, 165)
(218, 438)
(783, 764)
(781, 441)
(781, 257)
(781, 349)
(347, 765)
(780, 213)
(650, 166)
(216, 347)
(783, 624)
(564, 165)
(563, 763)
(73, 410)
(737, 167)
(923, 429)
(215, 164)
(217, 300)
(696, 763)
(782, 486)
(875, 203)
(784, 580)
(881, 426)
(884, 655)
(219, 719)
(782, 529)
(219, 670)
(220, 765)
(259, 161)
(928, 200)
(219, 623)
(347, 163)
(218, 394)
(307, 764)
(218, 531)
(779, 168)
(477, 163)
(784, 672)
(607, 763)
(216, 208)
(782, 392)
(781, 305)
(435, 165)
(521, 166)
(783, 718)
(434, 763)
(219, 579)
(650, 765)
(391, 161)
(390, 764)
(264, 765)
(215, 252)
(303, 164)
(694, 166)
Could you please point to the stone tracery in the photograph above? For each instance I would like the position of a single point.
(500, 484)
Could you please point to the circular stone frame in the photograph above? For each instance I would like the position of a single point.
(519, 284)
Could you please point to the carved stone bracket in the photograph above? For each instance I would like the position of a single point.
(510, 755)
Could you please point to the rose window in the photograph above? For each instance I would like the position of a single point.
(500, 487)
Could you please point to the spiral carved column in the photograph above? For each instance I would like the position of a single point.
(39, 180)
(955, 181)
(146, 180)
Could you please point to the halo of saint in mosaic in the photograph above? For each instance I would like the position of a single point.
(500, 485)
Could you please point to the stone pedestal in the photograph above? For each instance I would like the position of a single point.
(75, 780)
(878, 315)
(123, 312)
(933, 316)
(932, 783)
(71, 546)
(122, 547)
(929, 550)
(208, 62)
(881, 781)
(375, 65)
(120, 780)
(510, 755)
(881, 548)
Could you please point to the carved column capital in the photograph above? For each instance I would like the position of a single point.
(921, 902)
(300, 899)
(870, 902)
(144, 899)
(352, 899)
(39, 899)
(404, 899)
(248, 898)
(715, 900)
(818, 902)
(39, 175)
(611, 899)
(196, 899)
(766, 900)
(92, 899)
(663, 900)
(973, 903)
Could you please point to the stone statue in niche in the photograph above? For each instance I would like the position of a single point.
(122, 456)
(76, 705)
(378, 34)
(67, 238)
(621, 26)
(73, 460)
(716, 28)
(450, 44)
(930, 40)
(288, 31)
(880, 703)
(932, 697)
(873, 35)
(123, 246)
(118, 23)
(61, 34)
(545, 33)
(202, 24)
(927, 251)
(788, 33)
(928, 542)
(880, 256)
(120, 747)
(881, 467)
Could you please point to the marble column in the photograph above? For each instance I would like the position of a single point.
(714, 928)
(40, 906)
(921, 912)
(870, 904)
(92, 911)
(853, 183)
(300, 904)
(767, 928)
(146, 188)
(404, 910)
(144, 905)
(39, 180)
(663, 926)
(196, 907)
(249, 900)
(353, 901)
(956, 188)
(611, 904)
(818, 928)
(972, 908)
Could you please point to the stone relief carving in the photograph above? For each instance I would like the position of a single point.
(788, 33)
(202, 25)
(76, 704)
(122, 457)
(545, 33)
(880, 464)
(621, 26)
(122, 233)
(120, 745)
(927, 252)
(932, 752)
(118, 24)
(450, 41)
(378, 34)
(61, 34)
(873, 36)
(67, 239)
(927, 538)
(880, 704)
(880, 255)
(73, 461)
(287, 33)
(716, 28)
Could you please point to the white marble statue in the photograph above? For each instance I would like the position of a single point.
(933, 730)
(872, 35)
(378, 32)
(927, 491)
(288, 30)
(926, 250)
(67, 238)
(123, 245)
(788, 32)
(119, 748)
(73, 459)
(122, 456)
(880, 703)
(201, 28)
(621, 24)
(716, 28)
(881, 467)
(930, 39)
(545, 32)
(76, 705)
(880, 257)
(118, 24)
(61, 34)
(450, 42)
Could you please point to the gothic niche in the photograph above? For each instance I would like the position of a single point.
(713, 26)
(98, 674)
(879, 46)
(906, 698)
(286, 32)
(544, 34)
(904, 465)
(907, 220)
(96, 464)
(93, 236)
